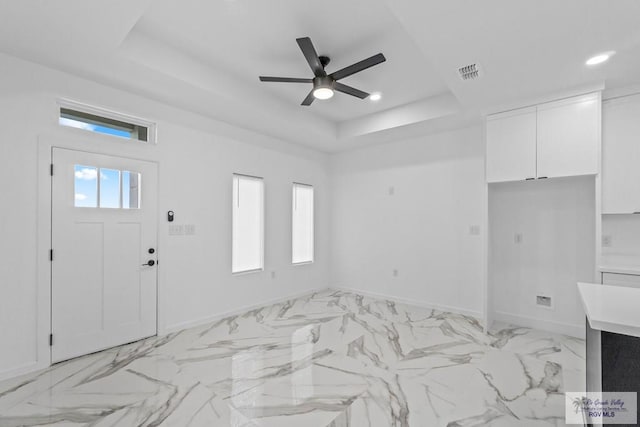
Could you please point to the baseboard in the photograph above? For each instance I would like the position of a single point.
(422, 304)
(577, 331)
(215, 317)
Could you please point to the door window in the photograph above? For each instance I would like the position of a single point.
(106, 188)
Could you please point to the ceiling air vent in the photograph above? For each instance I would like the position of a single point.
(469, 72)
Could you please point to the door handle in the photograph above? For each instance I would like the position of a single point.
(149, 263)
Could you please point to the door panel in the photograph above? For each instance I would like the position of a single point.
(102, 294)
(122, 299)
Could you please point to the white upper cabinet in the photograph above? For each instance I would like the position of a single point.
(621, 155)
(560, 138)
(569, 137)
(511, 145)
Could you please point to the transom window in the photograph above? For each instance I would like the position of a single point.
(105, 122)
(96, 187)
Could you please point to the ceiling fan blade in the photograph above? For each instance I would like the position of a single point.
(350, 90)
(311, 55)
(358, 66)
(285, 79)
(309, 99)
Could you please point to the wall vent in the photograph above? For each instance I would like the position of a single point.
(469, 72)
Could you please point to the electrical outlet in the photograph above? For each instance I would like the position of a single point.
(392, 191)
(395, 272)
(606, 241)
(273, 274)
(544, 301)
(474, 230)
(517, 238)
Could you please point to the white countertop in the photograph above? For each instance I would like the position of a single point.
(612, 308)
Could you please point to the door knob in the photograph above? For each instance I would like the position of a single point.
(152, 251)
(150, 263)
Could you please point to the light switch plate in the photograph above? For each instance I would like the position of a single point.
(176, 230)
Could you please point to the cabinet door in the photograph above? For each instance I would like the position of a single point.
(569, 137)
(621, 155)
(511, 145)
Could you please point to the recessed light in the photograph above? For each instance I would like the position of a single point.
(375, 96)
(599, 58)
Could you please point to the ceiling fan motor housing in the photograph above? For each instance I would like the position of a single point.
(324, 81)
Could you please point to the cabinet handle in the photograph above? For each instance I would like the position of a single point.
(529, 179)
(637, 213)
(543, 177)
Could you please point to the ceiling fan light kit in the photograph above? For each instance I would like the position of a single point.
(324, 85)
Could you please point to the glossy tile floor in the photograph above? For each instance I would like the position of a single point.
(331, 359)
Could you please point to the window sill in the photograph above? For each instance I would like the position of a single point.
(244, 272)
(302, 263)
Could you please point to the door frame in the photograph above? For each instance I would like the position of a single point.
(78, 140)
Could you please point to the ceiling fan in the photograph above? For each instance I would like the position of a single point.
(325, 84)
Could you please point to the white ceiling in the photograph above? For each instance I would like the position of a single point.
(526, 48)
(258, 37)
(206, 55)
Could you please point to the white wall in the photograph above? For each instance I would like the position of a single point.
(555, 219)
(196, 159)
(623, 233)
(422, 230)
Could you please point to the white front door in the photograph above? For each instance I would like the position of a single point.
(104, 234)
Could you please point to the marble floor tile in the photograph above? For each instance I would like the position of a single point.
(329, 359)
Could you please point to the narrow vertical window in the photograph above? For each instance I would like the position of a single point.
(130, 190)
(247, 252)
(86, 186)
(110, 188)
(302, 224)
